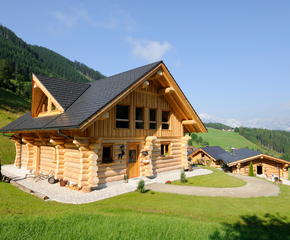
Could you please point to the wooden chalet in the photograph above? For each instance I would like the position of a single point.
(239, 161)
(207, 156)
(131, 123)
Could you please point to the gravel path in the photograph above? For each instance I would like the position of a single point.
(61, 194)
(254, 188)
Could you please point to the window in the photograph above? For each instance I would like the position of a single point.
(139, 118)
(107, 153)
(165, 149)
(202, 155)
(44, 106)
(122, 116)
(165, 119)
(152, 119)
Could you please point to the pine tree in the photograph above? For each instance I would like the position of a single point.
(251, 170)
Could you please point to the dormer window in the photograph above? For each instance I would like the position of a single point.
(46, 107)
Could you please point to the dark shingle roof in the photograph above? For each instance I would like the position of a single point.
(98, 95)
(214, 151)
(63, 91)
(238, 155)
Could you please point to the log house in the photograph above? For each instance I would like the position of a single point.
(239, 161)
(131, 123)
(207, 156)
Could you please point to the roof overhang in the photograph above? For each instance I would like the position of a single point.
(256, 157)
(172, 93)
(201, 150)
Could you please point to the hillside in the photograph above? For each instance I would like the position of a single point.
(18, 60)
(226, 139)
(11, 108)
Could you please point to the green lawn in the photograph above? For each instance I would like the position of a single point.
(11, 108)
(217, 179)
(151, 215)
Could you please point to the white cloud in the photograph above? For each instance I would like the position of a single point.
(286, 105)
(209, 118)
(272, 124)
(67, 20)
(149, 50)
(116, 18)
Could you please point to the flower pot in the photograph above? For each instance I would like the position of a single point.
(62, 182)
(189, 168)
(126, 181)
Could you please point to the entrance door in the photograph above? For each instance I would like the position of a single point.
(132, 161)
(259, 170)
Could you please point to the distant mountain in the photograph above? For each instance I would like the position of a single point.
(20, 60)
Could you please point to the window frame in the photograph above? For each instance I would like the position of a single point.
(107, 145)
(121, 119)
(139, 121)
(168, 121)
(163, 147)
(153, 122)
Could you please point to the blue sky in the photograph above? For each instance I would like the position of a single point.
(230, 58)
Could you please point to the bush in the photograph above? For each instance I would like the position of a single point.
(182, 177)
(141, 186)
(251, 170)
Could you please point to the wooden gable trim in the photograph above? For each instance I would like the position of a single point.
(260, 156)
(38, 84)
(178, 97)
(201, 150)
(119, 98)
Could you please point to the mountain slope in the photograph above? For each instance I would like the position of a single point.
(11, 108)
(226, 139)
(25, 59)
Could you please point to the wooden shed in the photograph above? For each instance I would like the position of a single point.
(131, 123)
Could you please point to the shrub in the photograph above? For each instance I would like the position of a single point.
(251, 170)
(182, 177)
(141, 186)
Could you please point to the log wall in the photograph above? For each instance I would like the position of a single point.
(145, 99)
(268, 167)
(47, 161)
(168, 163)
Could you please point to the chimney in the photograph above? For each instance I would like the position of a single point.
(258, 150)
(233, 151)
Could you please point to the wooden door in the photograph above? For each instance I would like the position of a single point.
(132, 161)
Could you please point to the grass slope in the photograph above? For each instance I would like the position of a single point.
(226, 139)
(11, 108)
(145, 216)
(216, 179)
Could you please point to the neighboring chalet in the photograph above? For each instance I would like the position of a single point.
(131, 123)
(207, 156)
(239, 161)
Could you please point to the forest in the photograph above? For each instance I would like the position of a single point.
(276, 140)
(18, 60)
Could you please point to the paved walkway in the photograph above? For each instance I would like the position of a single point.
(254, 188)
(61, 194)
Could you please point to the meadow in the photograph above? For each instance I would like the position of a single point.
(226, 139)
(152, 215)
(11, 108)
